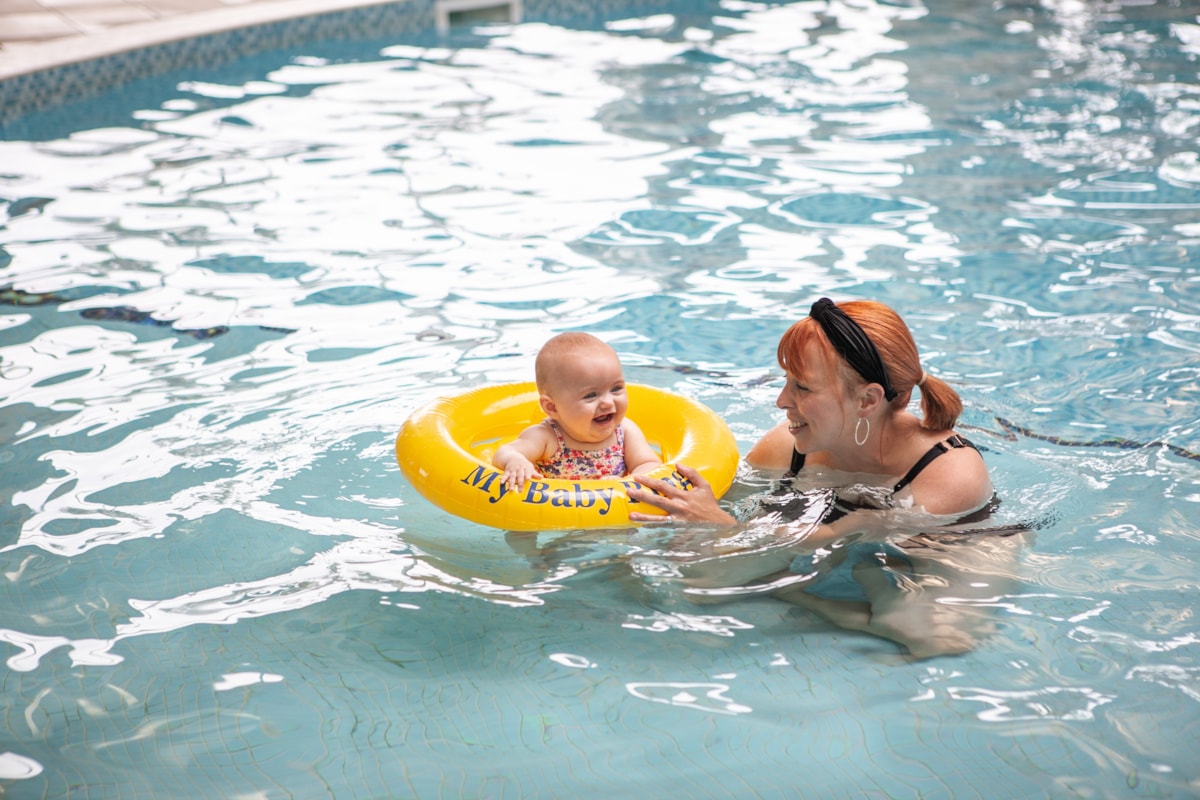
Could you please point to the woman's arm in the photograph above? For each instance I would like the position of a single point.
(731, 553)
(773, 451)
(697, 505)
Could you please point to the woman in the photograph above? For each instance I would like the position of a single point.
(850, 373)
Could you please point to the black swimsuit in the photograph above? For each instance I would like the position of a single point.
(842, 507)
(945, 446)
(839, 583)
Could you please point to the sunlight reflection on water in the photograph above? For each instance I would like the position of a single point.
(216, 316)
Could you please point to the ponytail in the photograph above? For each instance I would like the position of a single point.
(940, 404)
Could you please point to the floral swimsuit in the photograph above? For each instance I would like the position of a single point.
(572, 464)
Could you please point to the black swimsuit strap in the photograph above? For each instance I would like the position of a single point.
(797, 464)
(953, 442)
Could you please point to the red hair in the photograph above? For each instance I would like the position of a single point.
(940, 404)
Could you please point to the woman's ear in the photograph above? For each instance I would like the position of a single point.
(870, 398)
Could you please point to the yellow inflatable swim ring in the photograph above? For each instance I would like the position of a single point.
(445, 450)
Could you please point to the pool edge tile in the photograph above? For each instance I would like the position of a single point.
(23, 59)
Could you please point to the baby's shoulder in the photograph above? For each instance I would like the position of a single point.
(543, 433)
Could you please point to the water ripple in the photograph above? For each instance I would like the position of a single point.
(222, 292)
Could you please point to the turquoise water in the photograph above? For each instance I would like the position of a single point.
(225, 289)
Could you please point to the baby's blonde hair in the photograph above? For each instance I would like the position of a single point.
(557, 348)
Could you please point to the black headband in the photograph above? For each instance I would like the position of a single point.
(853, 344)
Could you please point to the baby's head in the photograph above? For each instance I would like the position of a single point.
(581, 385)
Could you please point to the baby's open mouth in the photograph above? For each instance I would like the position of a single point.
(603, 419)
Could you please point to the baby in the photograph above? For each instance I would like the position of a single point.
(582, 390)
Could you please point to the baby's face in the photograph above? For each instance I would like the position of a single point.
(588, 396)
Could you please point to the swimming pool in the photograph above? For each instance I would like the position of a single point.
(225, 288)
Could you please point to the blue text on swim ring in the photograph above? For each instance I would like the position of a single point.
(539, 492)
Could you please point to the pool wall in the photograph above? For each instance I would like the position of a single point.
(46, 88)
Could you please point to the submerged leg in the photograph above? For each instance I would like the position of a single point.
(943, 604)
(939, 603)
(909, 613)
(846, 614)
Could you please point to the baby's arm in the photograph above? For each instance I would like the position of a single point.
(639, 455)
(519, 457)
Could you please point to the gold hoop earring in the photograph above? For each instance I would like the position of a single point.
(867, 435)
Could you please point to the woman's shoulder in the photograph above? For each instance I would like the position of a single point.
(955, 479)
(773, 451)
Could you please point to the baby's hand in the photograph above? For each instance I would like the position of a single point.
(519, 471)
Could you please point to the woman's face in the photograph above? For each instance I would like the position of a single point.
(818, 412)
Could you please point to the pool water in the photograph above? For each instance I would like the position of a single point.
(224, 289)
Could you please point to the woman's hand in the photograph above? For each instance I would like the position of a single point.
(697, 505)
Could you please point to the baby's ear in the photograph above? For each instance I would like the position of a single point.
(547, 404)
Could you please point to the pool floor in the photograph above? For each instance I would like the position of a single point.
(224, 286)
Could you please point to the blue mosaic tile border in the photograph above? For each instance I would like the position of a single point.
(37, 90)
(30, 92)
